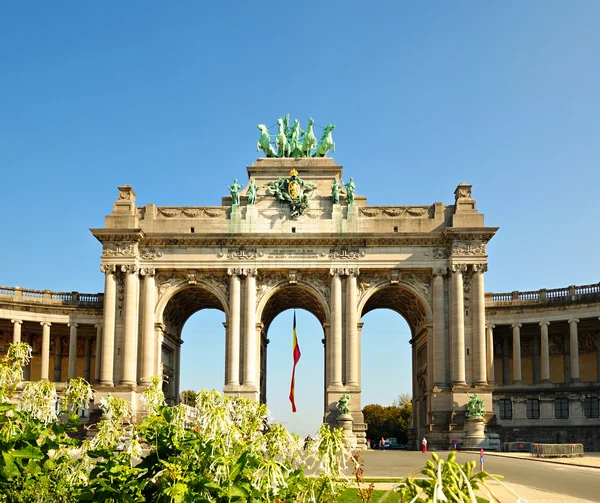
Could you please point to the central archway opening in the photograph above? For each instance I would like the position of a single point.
(277, 317)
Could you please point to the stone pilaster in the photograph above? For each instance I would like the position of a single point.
(335, 346)
(458, 326)
(98, 355)
(516, 328)
(544, 353)
(233, 343)
(45, 350)
(439, 328)
(73, 350)
(159, 335)
(250, 342)
(352, 362)
(574, 350)
(108, 336)
(490, 354)
(16, 330)
(148, 339)
(479, 358)
(130, 325)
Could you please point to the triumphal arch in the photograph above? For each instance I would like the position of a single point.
(298, 236)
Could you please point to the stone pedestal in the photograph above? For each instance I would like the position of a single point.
(344, 422)
(475, 437)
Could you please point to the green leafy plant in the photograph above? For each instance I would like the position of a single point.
(447, 480)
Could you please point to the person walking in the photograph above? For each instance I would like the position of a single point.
(382, 444)
(424, 445)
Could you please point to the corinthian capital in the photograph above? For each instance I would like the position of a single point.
(480, 268)
(440, 271)
(336, 272)
(108, 268)
(250, 272)
(129, 268)
(234, 271)
(147, 271)
(354, 272)
(459, 268)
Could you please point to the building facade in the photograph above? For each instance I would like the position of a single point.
(295, 238)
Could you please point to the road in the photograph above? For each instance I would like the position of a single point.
(573, 481)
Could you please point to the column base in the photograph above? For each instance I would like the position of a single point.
(128, 385)
(545, 381)
(109, 384)
(459, 383)
(575, 380)
(481, 383)
(519, 381)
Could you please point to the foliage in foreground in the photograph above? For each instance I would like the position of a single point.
(447, 480)
(215, 449)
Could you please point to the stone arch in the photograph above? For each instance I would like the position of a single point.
(181, 301)
(283, 296)
(402, 298)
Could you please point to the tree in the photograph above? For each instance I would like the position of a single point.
(389, 422)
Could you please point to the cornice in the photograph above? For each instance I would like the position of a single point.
(470, 233)
(103, 235)
(321, 239)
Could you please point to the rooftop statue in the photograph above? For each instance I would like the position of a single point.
(264, 142)
(309, 140)
(252, 192)
(326, 142)
(283, 147)
(295, 145)
(335, 191)
(350, 186)
(292, 141)
(234, 189)
(475, 407)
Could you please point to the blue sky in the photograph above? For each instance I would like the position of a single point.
(166, 97)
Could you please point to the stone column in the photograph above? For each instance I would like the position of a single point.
(479, 360)
(16, 330)
(87, 358)
(251, 340)
(45, 349)
(516, 328)
(233, 345)
(98, 356)
(108, 337)
(574, 349)
(458, 326)
(58, 359)
(335, 353)
(490, 354)
(73, 350)
(352, 362)
(360, 327)
(148, 340)
(536, 360)
(439, 328)
(544, 353)
(130, 326)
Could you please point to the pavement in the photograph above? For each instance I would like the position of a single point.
(517, 493)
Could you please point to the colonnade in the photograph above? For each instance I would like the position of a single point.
(17, 336)
(544, 357)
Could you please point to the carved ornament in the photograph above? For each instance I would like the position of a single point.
(345, 253)
(119, 249)
(468, 248)
(441, 253)
(241, 253)
(150, 253)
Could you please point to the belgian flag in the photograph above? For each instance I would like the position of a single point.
(296, 356)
